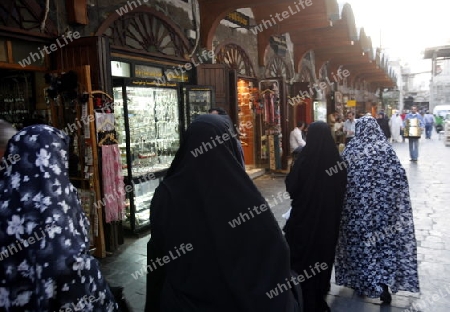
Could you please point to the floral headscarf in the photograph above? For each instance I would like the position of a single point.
(45, 263)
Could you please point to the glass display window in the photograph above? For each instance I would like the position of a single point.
(147, 124)
(197, 101)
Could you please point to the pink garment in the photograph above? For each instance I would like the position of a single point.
(113, 185)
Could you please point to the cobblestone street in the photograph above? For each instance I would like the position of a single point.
(429, 180)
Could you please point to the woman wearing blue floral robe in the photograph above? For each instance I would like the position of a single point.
(45, 262)
(377, 247)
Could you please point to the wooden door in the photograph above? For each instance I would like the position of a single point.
(217, 75)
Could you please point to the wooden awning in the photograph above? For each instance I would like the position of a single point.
(316, 27)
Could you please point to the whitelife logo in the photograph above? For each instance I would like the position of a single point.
(318, 267)
(318, 86)
(34, 56)
(129, 6)
(179, 251)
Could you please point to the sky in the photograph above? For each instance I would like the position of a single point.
(406, 27)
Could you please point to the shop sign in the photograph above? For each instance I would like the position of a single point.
(175, 76)
(238, 18)
(351, 103)
(144, 71)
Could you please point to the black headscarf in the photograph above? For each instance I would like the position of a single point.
(230, 268)
(44, 233)
(316, 185)
(384, 125)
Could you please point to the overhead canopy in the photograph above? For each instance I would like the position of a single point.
(312, 25)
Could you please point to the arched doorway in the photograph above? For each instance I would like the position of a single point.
(242, 76)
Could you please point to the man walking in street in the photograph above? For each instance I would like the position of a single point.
(414, 141)
(428, 118)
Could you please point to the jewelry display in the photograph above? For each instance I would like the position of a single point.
(153, 127)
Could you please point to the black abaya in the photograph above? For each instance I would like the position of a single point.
(228, 268)
(316, 185)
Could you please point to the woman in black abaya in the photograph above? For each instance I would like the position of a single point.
(316, 185)
(229, 265)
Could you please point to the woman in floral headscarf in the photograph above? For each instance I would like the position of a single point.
(44, 260)
(377, 248)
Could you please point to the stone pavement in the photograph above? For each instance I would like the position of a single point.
(429, 180)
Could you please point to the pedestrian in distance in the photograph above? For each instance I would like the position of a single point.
(384, 125)
(413, 140)
(317, 194)
(229, 265)
(377, 248)
(428, 119)
(396, 124)
(44, 232)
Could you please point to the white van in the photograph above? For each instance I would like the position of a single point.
(441, 110)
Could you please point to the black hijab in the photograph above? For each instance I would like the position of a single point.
(316, 185)
(230, 268)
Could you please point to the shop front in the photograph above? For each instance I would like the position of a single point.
(32, 92)
(155, 98)
(123, 105)
(277, 127)
(246, 111)
(150, 111)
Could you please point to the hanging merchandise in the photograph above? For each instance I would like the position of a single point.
(271, 144)
(113, 185)
(71, 105)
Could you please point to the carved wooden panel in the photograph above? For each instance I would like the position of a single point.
(305, 74)
(236, 58)
(276, 67)
(145, 32)
(25, 15)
